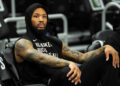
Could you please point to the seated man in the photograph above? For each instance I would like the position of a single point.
(40, 57)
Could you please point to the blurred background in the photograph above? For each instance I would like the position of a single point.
(78, 21)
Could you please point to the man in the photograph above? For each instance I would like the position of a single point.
(40, 57)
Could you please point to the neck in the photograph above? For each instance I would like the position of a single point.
(36, 34)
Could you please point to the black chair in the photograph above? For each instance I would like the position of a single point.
(3, 28)
(99, 39)
(9, 75)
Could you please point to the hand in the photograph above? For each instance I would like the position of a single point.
(74, 74)
(110, 50)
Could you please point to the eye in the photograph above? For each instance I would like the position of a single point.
(35, 16)
(44, 16)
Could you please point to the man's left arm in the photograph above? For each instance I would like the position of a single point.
(77, 56)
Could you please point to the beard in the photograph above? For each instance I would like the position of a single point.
(39, 33)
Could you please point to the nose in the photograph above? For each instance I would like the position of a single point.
(40, 18)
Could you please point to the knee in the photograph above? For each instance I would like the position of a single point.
(65, 70)
(62, 72)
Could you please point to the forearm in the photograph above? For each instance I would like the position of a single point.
(81, 57)
(92, 54)
(44, 59)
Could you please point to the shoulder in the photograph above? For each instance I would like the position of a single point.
(55, 39)
(23, 43)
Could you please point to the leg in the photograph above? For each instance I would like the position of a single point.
(59, 78)
(98, 69)
(93, 71)
(90, 73)
(111, 76)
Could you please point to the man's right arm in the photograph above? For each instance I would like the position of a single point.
(24, 49)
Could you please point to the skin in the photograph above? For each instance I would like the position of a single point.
(24, 50)
(39, 19)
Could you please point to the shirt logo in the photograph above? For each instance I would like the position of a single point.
(2, 65)
(0, 25)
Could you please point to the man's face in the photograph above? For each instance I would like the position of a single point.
(39, 19)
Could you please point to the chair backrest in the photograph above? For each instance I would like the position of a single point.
(9, 73)
(3, 9)
(3, 28)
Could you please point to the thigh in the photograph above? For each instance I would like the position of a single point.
(59, 78)
(98, 70)
(92, 70)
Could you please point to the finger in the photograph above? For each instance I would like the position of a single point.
(117, 60)
(114, 62)
(76, 78)
(107, 56)
(79, 81)
(73, 76)
(76, 82)
(114, 59)
(69, 73)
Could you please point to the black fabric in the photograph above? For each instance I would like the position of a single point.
(98, 70)
(114, 40)
(9, 76)
(51, 43)
(3, 28)
(39, 73)
(103, 35)
(101, 38)
(4, 13)
(94, 71)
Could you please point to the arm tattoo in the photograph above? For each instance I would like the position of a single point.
(47, 60)
(25, 50)
(70, 54)
(93, 54)
(78, 56)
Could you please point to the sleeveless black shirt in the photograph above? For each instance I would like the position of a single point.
(33, 73)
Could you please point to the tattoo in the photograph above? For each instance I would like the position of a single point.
(75, 52)
(21, 45)
(70, 54)
(93, 54)
(78, 56)
(47, 59)
(66, 49)
(24, 49)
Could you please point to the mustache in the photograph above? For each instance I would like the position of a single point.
(41, 23)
